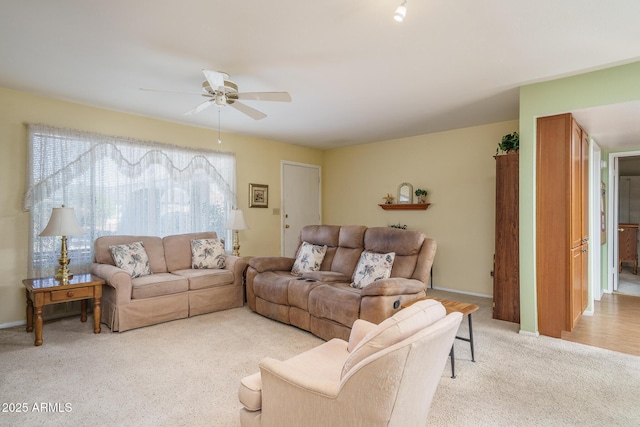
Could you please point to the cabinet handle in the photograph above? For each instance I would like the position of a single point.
(70, 294)
(620, 229)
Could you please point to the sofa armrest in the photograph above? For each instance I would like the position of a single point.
(115, 277)
(393, 286)
(272, 263)
(237, 265)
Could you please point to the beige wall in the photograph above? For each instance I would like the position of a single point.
(258, 161)
(456, 168)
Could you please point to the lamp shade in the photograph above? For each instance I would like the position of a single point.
(236, 221)
(63, 222)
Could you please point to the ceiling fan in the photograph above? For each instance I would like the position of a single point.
(221, 91)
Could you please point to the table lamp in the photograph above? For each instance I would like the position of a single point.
(236, 222)
(63, 223)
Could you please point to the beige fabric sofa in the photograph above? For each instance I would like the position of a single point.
(173, 291)
(323, 302)
(384, 375)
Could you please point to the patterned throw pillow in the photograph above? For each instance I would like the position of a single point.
(207, 253)
(371, 267)
(309, 258)
(132, 258)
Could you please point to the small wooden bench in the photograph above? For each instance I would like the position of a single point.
(455, 306)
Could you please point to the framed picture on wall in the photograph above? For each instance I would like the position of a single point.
(258, 196)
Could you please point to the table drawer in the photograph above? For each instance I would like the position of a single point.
(68, 294)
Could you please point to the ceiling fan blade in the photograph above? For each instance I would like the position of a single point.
(264, 96)
(200, 107)
(170, 91)
(215, 78)
(249, 111)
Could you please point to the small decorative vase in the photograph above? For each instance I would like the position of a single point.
(422, 198)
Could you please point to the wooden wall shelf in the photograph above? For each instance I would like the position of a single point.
(405, 206)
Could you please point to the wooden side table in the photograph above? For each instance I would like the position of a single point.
(46, 291)
(455, 306)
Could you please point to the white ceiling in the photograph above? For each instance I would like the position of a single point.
(355, 74)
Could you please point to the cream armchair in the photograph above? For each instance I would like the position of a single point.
(385, 375)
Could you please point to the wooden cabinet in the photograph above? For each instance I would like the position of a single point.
(506, 269)
(562, 226)
(628, 245)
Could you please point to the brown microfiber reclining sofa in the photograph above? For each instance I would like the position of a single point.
(173, 291)
(323, 302)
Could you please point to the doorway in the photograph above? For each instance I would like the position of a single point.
(300, 202)
(626, 279)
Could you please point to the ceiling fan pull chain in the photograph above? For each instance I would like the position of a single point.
(219, 140)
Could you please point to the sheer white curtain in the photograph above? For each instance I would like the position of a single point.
(120, 186)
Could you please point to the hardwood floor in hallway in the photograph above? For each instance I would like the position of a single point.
(615, 325)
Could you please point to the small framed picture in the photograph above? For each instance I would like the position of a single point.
(258, 196)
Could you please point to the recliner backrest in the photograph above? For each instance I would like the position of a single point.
(395, 329)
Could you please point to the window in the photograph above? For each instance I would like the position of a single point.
(120, 186)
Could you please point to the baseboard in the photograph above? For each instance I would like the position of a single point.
(45, 318)
(529, 334)
(12, 324)
(455, 291)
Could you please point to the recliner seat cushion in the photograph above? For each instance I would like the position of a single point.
(273, 286)
(338, 302)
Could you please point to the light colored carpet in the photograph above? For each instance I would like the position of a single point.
(186, 373)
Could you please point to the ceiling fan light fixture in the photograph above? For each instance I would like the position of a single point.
(401, 12)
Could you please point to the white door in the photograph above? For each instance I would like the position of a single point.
(300, 202)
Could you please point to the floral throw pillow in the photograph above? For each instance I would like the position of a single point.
(132, 258)
(207, 253)
(309, 258)
(371, 267)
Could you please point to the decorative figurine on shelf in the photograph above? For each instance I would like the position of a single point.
(388, 200)
(421, 195)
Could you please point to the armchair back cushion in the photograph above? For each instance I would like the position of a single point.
(397, 328)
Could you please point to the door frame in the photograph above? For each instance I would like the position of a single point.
(612, 222)
(284, 163)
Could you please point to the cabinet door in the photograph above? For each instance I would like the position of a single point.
(585, 277)
(584, 165)
(575, 177)
(576, 288)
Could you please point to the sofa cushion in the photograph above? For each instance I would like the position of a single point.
(152, 245)
(132, 258)
(309, 258)
(206, 278)
(157, 285)
(396, 328)
(207, 253)
(177, 249)
(371, 267)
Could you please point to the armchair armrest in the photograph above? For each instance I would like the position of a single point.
(262, 264)
(276, 371)
(393, 286)
(115, 277)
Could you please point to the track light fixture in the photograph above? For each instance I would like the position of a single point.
(401, 12)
